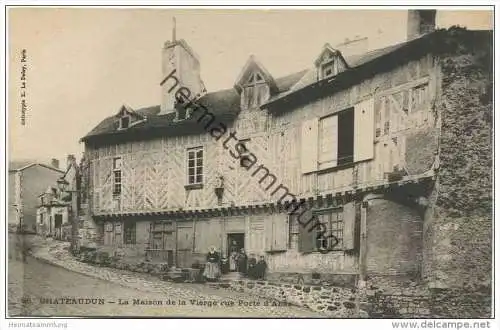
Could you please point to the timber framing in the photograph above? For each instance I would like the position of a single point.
(332, 198)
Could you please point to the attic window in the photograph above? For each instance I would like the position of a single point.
(255, 78)
(328, 70)
(124, 122)
(254, 91)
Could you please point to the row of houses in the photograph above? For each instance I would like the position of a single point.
(43, 199)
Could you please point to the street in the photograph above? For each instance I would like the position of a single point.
(39, 289)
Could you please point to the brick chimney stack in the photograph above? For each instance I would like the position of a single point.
(420, 22)
(54, 163)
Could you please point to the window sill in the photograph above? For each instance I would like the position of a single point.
(335, 168)
(194, 186)
(326, 252)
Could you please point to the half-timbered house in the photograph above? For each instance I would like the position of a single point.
(355, 139)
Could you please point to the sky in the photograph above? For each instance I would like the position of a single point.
(82, 64)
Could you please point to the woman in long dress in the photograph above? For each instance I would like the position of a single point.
(212, 271)
(233, 256)
(242, 263)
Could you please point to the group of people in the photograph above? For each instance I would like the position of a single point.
(238, 261)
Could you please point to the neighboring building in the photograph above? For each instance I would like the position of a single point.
(390, 150)
(52, 215)
(57, 205)
(26, 181)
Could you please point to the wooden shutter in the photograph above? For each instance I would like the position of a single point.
(306, 238)
(280, 232)
(309, 146)
(328, 142)
(268, 228)
(257, 235)
(349, 232)
(364, 123)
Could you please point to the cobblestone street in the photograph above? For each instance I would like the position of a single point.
(35, 279)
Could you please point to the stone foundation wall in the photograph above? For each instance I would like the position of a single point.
(461, 303)
(312, 278)
(336, 302)
(395, 297)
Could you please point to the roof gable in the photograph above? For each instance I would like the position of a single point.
(328, 53)
(29, 165)
(254, 66)
(127, 110)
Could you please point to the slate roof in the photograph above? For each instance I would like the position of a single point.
(224, 104)
(354, 61)
(295, 88)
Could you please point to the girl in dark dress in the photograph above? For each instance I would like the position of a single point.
(212, 270)
(252, 262)
(261, 268)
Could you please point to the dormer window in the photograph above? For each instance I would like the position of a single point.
(124, 122)
(330, 63)
(127, 118)
(254, 84)
(255, 90)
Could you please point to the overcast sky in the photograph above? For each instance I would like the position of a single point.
(83, 64)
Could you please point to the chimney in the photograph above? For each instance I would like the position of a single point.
(54, 163)
(420, 22)
(357, 46)
(70, 160)
(180, 68)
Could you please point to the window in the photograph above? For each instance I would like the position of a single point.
(333, 223)
(336, 139)
(124, 122)
(195, 166)
(328, 69)
(254, 91)
(129, 230)
(339, 139)
(41, 218)
(419, 98)
(108, 227)
(117, 176)
(346, 137)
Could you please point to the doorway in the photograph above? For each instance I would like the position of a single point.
(58, 225)
(235, 242)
